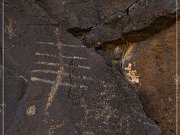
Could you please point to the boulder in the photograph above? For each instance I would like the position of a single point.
(151, 66)
(60, 86)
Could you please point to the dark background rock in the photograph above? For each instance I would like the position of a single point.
(133, 20)
(15, 89)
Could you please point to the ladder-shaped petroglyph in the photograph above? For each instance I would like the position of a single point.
(48, 63)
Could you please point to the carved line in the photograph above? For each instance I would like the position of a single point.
(45, 71)
(47, 63)
(75, 57)
(78, 66)
(45, 43)
(78, 77)
(62, 45)
(45, 54)
(73, 46)
(83, 77)
(58, 80)
(60, 72)
(54, 90)
(73, 85)
(35, 79)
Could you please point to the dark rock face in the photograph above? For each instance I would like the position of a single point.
(121, 20)
(15, 89)
(61, 87)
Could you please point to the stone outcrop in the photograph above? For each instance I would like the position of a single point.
(151, 65)
(56, 81)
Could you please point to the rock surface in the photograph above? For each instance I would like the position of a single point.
(61, 87)
(98, 22)
(153, 64)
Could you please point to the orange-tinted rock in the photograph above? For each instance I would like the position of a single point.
(151, 65)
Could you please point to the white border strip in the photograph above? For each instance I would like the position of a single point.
(3, 104)
(177, 75)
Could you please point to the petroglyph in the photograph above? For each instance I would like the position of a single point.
(31, 110)
(60, 73)
(105, 111)
(63, 45)
(9, 28)
(54, 89)
(54, 127)
(75, 57)
(87, 78)
(132, 74)
(78, 77)
(47, 63)
(45, 54)
(45, 43)
(77, 66)
(35, 79)
(58, 79)
(73, 46)
(44, 71)
(74, 85)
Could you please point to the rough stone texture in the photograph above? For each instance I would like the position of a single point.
(98, 22)
(154, 64)
(15, 89)
(61, 87)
